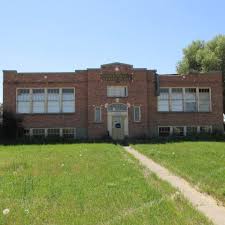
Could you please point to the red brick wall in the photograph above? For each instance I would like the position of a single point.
(214, 118)
(91, 91)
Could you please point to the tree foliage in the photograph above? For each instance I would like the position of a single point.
(203, 56)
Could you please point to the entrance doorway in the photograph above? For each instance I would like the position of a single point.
(118, 127)
(117, 121)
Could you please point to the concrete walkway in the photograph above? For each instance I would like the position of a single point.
(203, 202)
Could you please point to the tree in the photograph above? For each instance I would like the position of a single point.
(204, 56)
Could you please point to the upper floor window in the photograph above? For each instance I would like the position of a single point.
(190, 100)
(23, 100)
(68, 100)
(52, 100)
(184, 100)
(38, 97)
(117, 91)
(177, 100)
(204, 100)
(163, 100)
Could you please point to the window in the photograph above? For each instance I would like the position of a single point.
(117, 108)
(23, 101)
(26, 132)
(68, 132)
(205, 129)
(68, 100)
(53, 132)
(37, 132)
(163, 100)
(177, 100)
(38, 97)
(190, 100)
(178, 131)
(53, 101)
(97, 114)
(137, 113)
(204, 100)
(191, 130)
(164, 131)
(117, 91)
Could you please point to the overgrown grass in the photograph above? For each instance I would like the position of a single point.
(201, 163)
(85, 184)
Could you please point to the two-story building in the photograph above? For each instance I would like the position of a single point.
(116, 100)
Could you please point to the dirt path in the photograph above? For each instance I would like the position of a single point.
(203, 202)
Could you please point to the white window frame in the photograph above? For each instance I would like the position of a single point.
(46, 131)
(29, 102)
(184, 110)
(46, 100)
(185, 129)
(117, 96)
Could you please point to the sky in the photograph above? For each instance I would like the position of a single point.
(64, 35)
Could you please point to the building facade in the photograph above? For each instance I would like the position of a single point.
(115, 100)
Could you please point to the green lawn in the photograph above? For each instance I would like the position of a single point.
(201, 163)
(85, 184)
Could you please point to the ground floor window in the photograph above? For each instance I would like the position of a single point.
(205, 129)
(50, 132)
(68, 132)
(178, 131)
(137, 113)
(191, 130)
(39, 132)
(53, 132)
(164, 131)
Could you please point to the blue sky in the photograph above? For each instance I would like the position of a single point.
(56, 35)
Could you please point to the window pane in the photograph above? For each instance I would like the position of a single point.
(68, 100)
(164, 131)
(163, 100)
(190, 100)
(67, 94)
(117, 108)
(137, 111)
(53, 107)
(97, 114)
(53, 132)
(23, 101)
(204, 100)
(68, 132)
(68, 106)
(23, 107)
(178, 131)
(192, 130)
(116, 91)
(39, 132)
(177, 100)
(205, 129)
(53, 101)
(38, 98)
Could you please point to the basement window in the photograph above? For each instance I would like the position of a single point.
(68, 132)
(38, 132)
(178, 131)
(191, 130)
(164, 131)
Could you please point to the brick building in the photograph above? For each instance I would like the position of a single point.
(116, 100)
